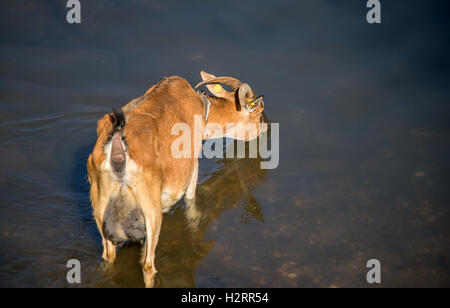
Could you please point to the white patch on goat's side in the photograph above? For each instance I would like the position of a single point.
(167, 201)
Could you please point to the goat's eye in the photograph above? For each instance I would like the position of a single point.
(253, 103)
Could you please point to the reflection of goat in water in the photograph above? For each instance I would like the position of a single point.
(133, 173)
(225, 188)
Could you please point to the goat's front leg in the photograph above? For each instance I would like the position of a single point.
(190, 192)
(151, 208)
(193, 215)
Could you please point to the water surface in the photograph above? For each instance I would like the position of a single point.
(364, 141)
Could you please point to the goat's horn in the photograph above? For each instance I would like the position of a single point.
(228, 81)
(244, 91)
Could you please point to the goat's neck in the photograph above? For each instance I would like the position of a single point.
(221, 115)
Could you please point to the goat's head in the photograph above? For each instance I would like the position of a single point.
(240, 107)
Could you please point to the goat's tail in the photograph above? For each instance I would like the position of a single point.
(117, 157)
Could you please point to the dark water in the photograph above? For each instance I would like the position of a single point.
(364, 140)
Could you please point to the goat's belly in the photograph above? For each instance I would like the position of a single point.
(168, 199)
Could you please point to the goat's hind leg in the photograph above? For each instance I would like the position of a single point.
(109, 249)
(150, 203)
(99, 203)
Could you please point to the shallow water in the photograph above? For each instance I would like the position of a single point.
(364, 141)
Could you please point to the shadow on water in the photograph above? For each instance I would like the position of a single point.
(80, 189)
(182, 245)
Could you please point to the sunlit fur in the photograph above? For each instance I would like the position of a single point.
(153, 179)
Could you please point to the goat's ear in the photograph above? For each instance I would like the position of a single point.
(206, 76)
(215, 88)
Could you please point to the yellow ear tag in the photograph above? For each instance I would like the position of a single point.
(218, 88)
(248, 100)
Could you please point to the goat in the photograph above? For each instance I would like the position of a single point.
(133, 175)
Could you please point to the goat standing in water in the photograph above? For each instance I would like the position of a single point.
(133, 175)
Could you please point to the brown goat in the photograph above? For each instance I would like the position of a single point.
(134, 175)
